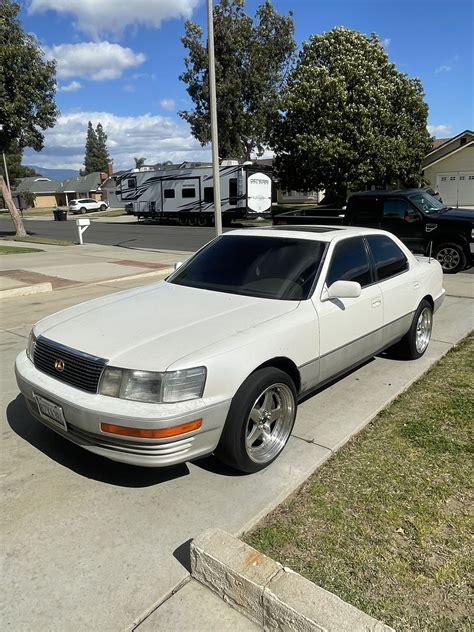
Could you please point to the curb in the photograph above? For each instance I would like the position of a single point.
(26, 289)
(271, 595)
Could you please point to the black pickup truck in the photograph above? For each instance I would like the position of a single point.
(420, 220)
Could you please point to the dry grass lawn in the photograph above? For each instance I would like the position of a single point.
(386, 524)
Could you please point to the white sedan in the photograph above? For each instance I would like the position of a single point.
(222, 350)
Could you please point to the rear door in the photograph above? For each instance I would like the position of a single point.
(350, 329)
(398, 284)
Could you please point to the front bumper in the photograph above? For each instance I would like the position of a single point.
(84, 413)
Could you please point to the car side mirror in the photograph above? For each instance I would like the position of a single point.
(177, 265)
(343, 289)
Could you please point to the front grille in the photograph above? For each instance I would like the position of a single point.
(79, 369)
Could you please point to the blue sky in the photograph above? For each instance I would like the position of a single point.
(119, 62)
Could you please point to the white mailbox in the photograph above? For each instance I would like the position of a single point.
(82, 224)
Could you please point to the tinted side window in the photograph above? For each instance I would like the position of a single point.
(132, 183)
(395, 208)
(364, 211)
(349, 263)
(188, 192)
(233, 191)
(168, 193)
(389, 259)
(209, 194)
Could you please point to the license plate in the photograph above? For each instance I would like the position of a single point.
(51, 412)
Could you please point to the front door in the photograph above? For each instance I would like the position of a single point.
(350, 328)
(403, 220)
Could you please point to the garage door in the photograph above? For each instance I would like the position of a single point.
(456, 188)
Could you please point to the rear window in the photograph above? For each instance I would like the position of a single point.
(389, 259)
(268, 267)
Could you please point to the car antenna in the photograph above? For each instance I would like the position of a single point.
(429, 254)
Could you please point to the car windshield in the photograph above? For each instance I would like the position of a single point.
(279, 268)
(427, 203)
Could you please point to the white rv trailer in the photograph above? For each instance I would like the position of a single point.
(186, 193)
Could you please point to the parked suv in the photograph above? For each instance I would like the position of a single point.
(84, 205)
(421, 221)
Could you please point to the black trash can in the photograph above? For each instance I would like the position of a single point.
(59, 215)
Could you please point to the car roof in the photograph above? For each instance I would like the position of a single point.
(385, 192)
(314, 232)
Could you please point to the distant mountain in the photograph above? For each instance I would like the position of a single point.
(55, 174)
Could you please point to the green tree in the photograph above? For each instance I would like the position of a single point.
(253, 57)
(139, 162)
(349, 118)
(27, 90)
(96, 154)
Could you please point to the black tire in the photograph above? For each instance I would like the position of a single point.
(451, 256)
(83, 210)
(182, 220)
(202, 220)
(192, 220)
(103, 207)
(407, 348)
(232, 448)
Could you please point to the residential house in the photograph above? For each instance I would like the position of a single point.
(50, 193)
(449, 169)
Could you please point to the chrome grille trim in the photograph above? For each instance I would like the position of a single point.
(81, 370)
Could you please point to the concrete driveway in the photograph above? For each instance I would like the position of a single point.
(88, 544)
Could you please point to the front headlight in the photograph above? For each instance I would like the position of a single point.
(30, 348)
(153, 387)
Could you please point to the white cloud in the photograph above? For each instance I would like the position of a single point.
(168, 104)
(93, 60)
(444, 68)
(128, 87)
(386, 42)
(70, 87)
(112, 16)
(159, 138)
(440, 130)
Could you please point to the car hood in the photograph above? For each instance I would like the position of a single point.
(152, 327)
(457, 213)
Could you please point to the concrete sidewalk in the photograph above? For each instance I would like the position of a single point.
(67, 266)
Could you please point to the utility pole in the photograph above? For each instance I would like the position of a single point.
(213, 111)
(7, 179)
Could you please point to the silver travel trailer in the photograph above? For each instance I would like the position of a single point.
(185, 192)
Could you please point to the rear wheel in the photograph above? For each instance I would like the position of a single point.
(83, 210)
(182, 220)
(451, 257)
(103, 207)
(202, 220)
(192, 221)
(414, 344)
(259, 422)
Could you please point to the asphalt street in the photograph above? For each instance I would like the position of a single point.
(127, 235)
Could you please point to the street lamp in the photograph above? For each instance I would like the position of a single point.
(213, 111)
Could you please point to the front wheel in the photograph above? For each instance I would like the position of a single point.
(103, 207)
(82, 210)
(259, 422)
(451, 256)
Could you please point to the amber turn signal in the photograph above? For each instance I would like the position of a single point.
(148, 433)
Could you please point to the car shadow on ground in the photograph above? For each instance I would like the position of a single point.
(81, 461)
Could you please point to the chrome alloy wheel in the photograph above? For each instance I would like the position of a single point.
(423, 329)
(448, 257)
(269, 423)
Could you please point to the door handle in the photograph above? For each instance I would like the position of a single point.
(416, 285)
(376, 302)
